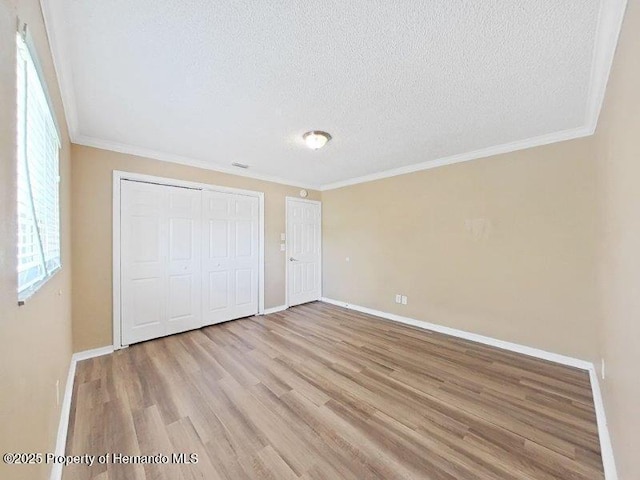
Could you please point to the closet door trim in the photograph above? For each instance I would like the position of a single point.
(118, 177)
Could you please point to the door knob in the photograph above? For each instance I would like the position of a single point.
(291, 259)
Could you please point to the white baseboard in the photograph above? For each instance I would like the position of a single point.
(474, 337)
(95, 352)
(277, 309)
(63, 426)
(606, 449)
(65, 411)
(603, 430)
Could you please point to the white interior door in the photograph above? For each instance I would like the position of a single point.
(304, 251)
(160, 260)
(230, 264)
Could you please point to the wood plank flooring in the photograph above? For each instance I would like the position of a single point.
(321, 393)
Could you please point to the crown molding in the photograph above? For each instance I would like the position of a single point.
(610, 21)
(191, 162)
(608, 29)
(62, 68)
(465, 157)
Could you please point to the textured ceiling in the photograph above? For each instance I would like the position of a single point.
(396, 83)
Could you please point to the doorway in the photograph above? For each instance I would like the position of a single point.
(304, 250)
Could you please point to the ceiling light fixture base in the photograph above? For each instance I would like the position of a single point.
(316, 139)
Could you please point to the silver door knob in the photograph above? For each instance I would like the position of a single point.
(291, 259)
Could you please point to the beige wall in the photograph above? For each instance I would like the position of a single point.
(92, 233)
(527, 276)
(618, 141)
(538, 247)
(36, 347)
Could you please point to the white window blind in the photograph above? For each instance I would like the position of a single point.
(38, 178)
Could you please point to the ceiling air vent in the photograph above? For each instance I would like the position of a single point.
(240, 165)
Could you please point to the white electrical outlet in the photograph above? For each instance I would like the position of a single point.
(283, 247)
(398, 298)
(404, 299)
(57, 392)
(602, 369)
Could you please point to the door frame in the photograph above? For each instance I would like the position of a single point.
(287, 199)
(118, 176)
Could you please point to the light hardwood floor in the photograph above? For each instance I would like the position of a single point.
(320, 392)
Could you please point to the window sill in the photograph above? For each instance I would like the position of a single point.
(29, 292)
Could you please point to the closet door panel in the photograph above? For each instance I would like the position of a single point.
(143, 255)
(218, 291)
(183, 217)
(160, 260)
(230, 256)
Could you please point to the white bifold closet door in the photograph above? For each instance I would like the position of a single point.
(189, 258)
(230, 256)
(160, 260)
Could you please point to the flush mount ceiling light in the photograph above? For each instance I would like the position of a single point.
(316, 139)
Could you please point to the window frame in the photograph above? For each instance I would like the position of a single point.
(24, 40)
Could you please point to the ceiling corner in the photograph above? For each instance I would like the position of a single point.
(62, 69)
(608, 31)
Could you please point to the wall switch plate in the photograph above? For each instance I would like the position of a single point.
(404, 299)
(283, 236)
(398, 298)
(282, 247)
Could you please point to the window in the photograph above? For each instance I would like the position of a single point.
(38, 198)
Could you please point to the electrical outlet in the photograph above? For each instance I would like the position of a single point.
(283, 247)
(58, 392)
(398, 298)
(404, 299)
(602, 368)
(283, 236)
